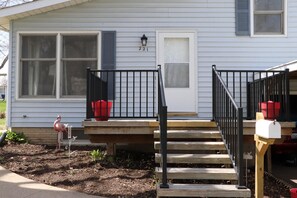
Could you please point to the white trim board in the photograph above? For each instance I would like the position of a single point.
(58, 34)
(192, 89)
(268, 35)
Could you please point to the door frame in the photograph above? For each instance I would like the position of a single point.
(195, 63)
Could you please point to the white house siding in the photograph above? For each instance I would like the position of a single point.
(214, 21)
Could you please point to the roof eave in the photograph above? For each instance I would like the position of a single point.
(32, 8)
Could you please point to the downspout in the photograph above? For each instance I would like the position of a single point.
(2, 137)
(8, 101)
(4, 61)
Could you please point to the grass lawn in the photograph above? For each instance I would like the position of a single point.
(2, 106)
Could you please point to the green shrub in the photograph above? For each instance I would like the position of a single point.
(16, 137)
(97, 155)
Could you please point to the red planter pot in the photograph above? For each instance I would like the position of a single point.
(293, 193)
(101, 109)
(270, 109)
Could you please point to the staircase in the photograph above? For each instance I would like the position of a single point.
(198, 165)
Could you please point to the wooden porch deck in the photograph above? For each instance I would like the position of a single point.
(142, 131)
(147, 127)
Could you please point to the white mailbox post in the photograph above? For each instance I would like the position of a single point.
(266, 133)
(268, 129)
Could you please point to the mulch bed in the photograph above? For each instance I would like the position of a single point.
(130, 174)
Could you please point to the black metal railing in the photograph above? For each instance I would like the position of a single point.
(272, 86)
(251, 88)
(121, 94)
(133, 94)
(229, 118)
(163, 128)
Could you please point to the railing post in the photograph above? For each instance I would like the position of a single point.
(213, 93)
(88, 102)
(287, 95)
(163, 133)
(163, 128)
(159, 93)
(240, 149)
(248, 101)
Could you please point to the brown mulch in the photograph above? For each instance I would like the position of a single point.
(130, 174)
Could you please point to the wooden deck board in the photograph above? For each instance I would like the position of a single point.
(195, 158)
(198, 173)
(202, 190)
(192, 146)
(189, 134)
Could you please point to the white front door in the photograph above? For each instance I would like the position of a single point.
(176, 55)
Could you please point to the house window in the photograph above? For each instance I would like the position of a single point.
(38, 66)
(41, 56)
(269, 17)
(78, 53)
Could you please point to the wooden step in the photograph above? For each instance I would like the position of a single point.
(189, 134)
(202, 190)
(198, 173)
(174, 124)
(186, 146)
(195, 158)
(182, 114)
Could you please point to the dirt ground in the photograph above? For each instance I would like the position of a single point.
(130, 174)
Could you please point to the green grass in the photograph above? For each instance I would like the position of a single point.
(2, 123)
(2, 106)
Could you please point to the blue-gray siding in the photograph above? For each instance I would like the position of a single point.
(214, 21)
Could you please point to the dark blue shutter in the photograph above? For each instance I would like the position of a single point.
(108, 60)
(242, 17)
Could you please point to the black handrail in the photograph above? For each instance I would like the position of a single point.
(229, 118)
(162, 127)
(122, 93)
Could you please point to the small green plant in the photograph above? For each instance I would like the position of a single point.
(16, 137)
(97, 155)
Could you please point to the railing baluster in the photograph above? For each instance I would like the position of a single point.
(287, 95)
(153, 74)
(146, 94)
(214, 102)
(140, 81)
(133, 93)
(240, 90)
(127, 94)
(107, 93)
(234, 96)
(88, 99)
(120, 93)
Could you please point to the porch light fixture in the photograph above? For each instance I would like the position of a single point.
(143, 45)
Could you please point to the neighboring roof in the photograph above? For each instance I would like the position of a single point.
(32, 8)
(292, 66)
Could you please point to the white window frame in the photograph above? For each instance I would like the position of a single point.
(59, 35)
(285, 26)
